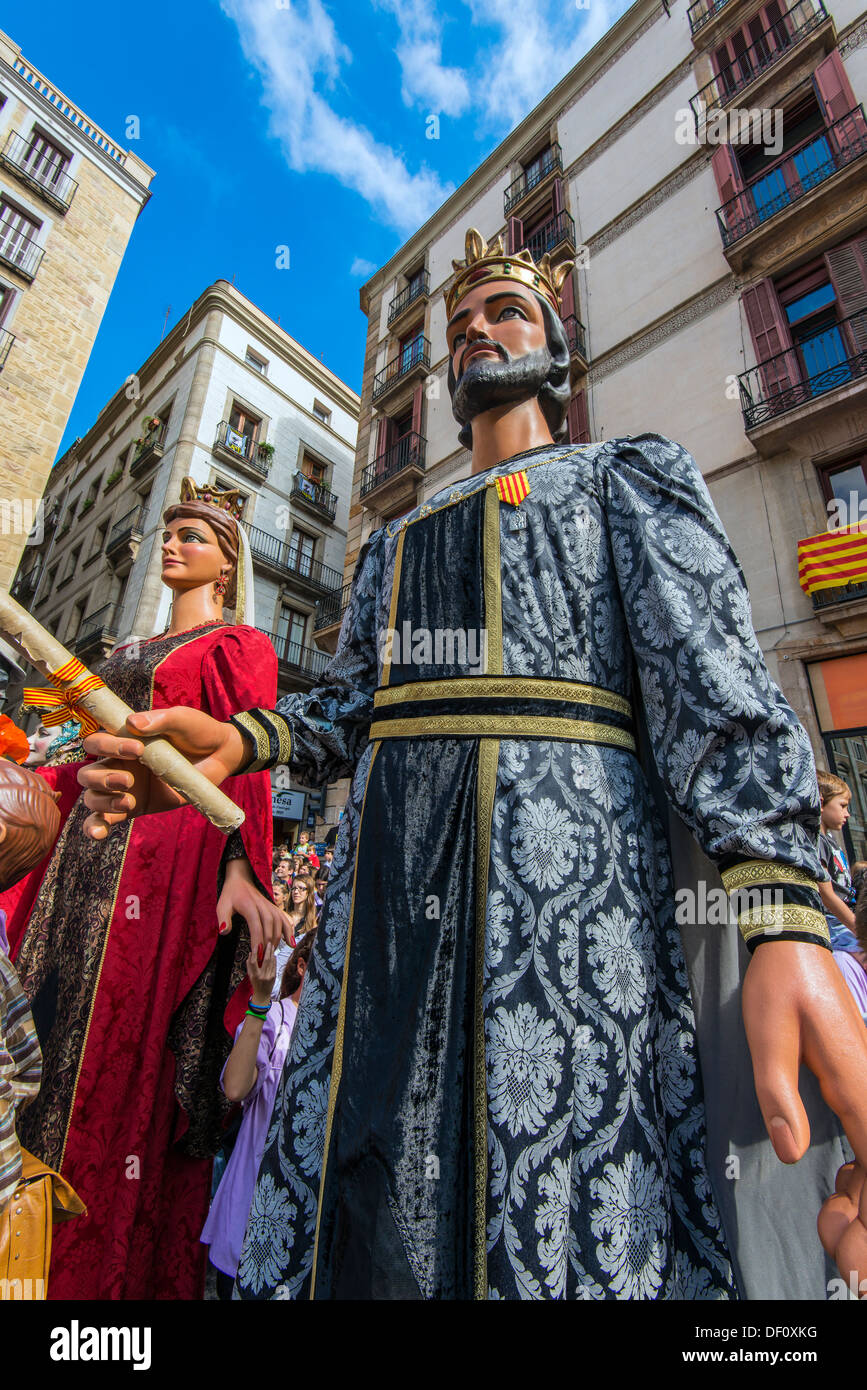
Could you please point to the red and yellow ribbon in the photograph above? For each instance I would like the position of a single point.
(59, 704)
(513, 488)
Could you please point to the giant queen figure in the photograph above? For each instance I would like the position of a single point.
(494, 1088)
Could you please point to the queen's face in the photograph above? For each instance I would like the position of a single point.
(40, 741)
(191, 554)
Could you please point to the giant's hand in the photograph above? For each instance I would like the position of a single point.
(119, 787)
(797, 1008)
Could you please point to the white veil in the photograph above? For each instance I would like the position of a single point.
(245, 597)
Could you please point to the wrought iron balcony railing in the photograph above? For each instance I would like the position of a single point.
(6, 341)
(551, 234)
(19, 252)
(827, 598)
(575, 335)
(418, 288)
(129, 525)
(407, 452)
(702, 11)
(288, 558)
(242, 447)
(45, 175)
(415, 354)
(791, 178)
(314, 493)
(306, 660)
(96, 627)
(834, 357)
(538, 171)
(772, 45)
(331, 609)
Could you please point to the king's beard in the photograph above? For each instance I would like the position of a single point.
(487, 383)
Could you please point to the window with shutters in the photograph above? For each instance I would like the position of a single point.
(291, 633)
(301, 548)
(44, 160)
(17, 236)
(772, 32)
(7, 295)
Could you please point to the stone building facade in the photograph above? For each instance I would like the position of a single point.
(230, 399)
(705, 165)
(69, 197)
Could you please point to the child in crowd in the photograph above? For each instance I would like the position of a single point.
(837, 893)
(250, 1076)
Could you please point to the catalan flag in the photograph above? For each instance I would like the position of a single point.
(513, 488)
(833, 559)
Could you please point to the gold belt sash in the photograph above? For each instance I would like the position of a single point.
(489, 723)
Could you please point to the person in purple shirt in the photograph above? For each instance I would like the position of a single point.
(250, 1076)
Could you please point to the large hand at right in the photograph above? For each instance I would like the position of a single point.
(119, 786)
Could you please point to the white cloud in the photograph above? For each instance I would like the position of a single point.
(426, 82)
(297, 52)
(539, 42)
(362, 267)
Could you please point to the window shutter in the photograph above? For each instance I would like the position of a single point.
(770, 334)
(381, 436)
(847, 266)
(727, 172)
(559, 200)
(578, 422)
(834, 88)
(417, 405)
(515, 237)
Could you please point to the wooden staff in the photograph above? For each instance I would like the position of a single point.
(86, 694)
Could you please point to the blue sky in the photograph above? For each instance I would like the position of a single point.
(299, 123)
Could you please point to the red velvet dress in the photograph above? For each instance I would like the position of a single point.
(117, 949)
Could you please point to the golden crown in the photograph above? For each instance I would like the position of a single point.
(484, 262)
(229, 501)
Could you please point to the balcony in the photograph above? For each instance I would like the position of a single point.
(395, 475)
(412, 363)
(286, 561)
(19, 253)
(702, 12)
(824, 372)
(97, 634)
(149, 451)
(416, 292)
(533, 178)
(815, 173)
(832, 570)
(6, 341)
(805, 19)
(577, 340)
(25, 586)
(329, 617)
(242, 450)
(313, 496)
(44, 177)
(124, 540)
(557, 232)
(305, 663)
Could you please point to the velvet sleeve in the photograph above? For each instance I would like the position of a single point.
(733, 758)
(323, 732)
(240, 670)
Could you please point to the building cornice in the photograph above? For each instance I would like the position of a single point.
(621, 36)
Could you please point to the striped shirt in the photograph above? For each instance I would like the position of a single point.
(20, 1069)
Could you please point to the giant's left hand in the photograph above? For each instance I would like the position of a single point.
(266, 922)
(797, 1008)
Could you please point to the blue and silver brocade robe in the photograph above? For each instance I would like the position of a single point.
(495, 1050)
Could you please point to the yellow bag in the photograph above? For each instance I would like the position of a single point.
(41, 1197)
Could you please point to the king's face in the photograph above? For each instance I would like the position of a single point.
(495, 319)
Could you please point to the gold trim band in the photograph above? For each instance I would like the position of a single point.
(755, 871)
(508, 687)
(492, 580)
(489, 755)
(253, 729)
(503, 726)
(771, 920)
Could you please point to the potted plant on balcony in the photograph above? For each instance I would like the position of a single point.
(150, 428)
(265, 451)
(112, 478)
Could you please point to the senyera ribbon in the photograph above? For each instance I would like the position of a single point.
(58, 704)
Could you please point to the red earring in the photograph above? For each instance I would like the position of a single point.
(221, 586)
